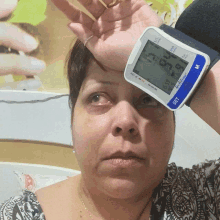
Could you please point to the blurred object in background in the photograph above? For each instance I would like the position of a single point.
(27, 15)
(19, 82)
(30, 83)
(48, 26)
(169, 10)
(55, 41)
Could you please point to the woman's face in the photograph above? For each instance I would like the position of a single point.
(122, 138)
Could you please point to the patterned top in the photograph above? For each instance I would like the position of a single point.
(186, 194)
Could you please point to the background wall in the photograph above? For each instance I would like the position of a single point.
(37, 153)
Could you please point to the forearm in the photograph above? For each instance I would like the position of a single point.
(206, 102)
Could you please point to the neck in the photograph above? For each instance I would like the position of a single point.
(101, 206)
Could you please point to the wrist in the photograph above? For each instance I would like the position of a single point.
(160, 22)
(215, 68)
(206, 103)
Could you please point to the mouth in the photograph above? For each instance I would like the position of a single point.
(124, 156)
(119, 161)
(124, 161)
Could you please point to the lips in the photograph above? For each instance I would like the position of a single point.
(124, 155)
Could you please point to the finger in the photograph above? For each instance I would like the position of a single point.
(14, 37)
(73, 13)
(95, 7)
(7, 7)
(21, 65)
(83, 33)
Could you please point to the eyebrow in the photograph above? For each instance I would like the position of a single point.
(103, 82)
(108, 82)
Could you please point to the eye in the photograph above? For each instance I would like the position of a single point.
(98, 99)
(146, 100)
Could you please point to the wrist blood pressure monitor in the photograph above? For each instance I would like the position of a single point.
(168, 65)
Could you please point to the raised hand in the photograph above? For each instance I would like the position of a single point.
(115, 30)
(13, 37)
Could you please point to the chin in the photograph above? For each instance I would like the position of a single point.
(120, 188)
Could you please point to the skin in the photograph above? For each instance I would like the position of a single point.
(121, 191)
(101, 127)
(96, 135)
(115, 30)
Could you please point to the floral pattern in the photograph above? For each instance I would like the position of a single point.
(188, 194)
(24, 207)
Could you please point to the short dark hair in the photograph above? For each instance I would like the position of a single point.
(78, 62)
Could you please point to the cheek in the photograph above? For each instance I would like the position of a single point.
(160, 138)
(89, 133)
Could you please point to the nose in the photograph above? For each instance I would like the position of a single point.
(125, 120)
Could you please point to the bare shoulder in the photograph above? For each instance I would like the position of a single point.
(57, 186)
(56, 189)
(59, 196)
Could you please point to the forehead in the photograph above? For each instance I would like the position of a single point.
(96, 74)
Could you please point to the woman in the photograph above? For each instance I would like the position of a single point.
(122, 137)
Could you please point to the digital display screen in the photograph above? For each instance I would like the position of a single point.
(160, 67)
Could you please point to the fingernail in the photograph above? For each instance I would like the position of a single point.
(32, 43)
(38, 65)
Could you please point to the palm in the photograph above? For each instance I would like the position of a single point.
(115, 30)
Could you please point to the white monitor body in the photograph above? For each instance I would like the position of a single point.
(165, 68)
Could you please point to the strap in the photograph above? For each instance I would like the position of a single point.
(213, 55)
(189, 41)
(199, 85)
